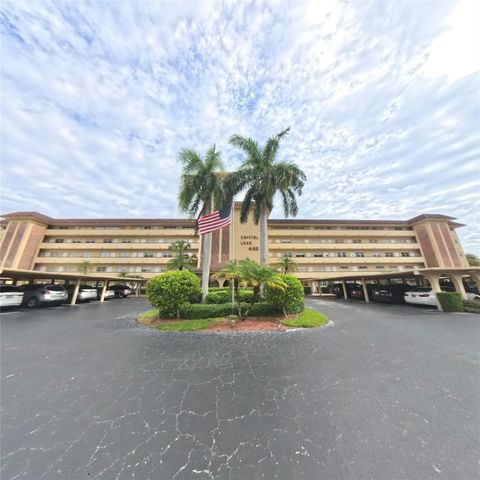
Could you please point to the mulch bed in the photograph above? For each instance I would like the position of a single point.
(249, 325)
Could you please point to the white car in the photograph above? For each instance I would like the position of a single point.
(10, 296)
(426, 296)
(473, 297)
(85, 293)
(109, 293)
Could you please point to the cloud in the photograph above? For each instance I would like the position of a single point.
(99, 98)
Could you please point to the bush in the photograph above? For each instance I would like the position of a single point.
(205, 310)
(291, 299)
(451, 301)
(217, 296)
(170, 291)
(471, 306)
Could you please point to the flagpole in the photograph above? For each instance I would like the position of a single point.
(232, 253)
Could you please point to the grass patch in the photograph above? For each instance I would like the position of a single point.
(150, 315)
(188, 325)
(309, 318)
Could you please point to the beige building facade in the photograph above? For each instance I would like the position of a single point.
(33, 241)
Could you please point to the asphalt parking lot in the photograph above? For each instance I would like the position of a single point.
(383, 393)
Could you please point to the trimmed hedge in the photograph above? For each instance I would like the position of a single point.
(212, 310)
(451, 301)
(226, 296)
(290, 300)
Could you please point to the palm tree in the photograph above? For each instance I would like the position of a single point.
(85, 267)
(263, 176)
(249, 273)
(181, 260)
(286, 265)
(200, 189)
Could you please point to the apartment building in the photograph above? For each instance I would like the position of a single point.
(34, 241)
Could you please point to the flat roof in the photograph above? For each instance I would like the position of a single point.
(19, 274)
(190, 222)
(399, 274)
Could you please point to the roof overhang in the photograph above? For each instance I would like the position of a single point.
(18, 274)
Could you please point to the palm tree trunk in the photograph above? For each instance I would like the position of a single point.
(263, 234)
(207, 255)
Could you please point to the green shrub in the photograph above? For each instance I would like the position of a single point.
(218, 289)
(290, 300)
(170, 291)
(471, 306)
(212, 310)
(225, 296)
(451, 301)
(219, 296)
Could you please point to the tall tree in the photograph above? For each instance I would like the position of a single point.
(181, 260)
(286, 265)
(200, 189)
(263, 176)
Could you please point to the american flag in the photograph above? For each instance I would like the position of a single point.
(215, 220)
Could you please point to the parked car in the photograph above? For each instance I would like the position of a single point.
(121, 291)
(109, 293)
(425, 295)
(394, 293)
(472, 297)
(356, 291)
(337, 289)
(10, 296)
(85, 293)
(36, 295)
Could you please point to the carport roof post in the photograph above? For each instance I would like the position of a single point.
(75, 292)
(365, 291)
(435, 283)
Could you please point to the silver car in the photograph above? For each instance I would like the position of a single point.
(36, 295)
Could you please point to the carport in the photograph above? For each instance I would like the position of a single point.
(433, 275)
(16, 275)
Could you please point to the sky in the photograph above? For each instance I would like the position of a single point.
(382, 99)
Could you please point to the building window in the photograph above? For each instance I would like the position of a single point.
(376, 254)
(405, 254)
(146, 269)
(87, 254)
(285, 241)
(343, 267)
(363, 268)
(357, 240)
(300, 255)
(59, 240)
(286, 254)
(359, 254)
(89, 241)
(148, 254)
(126, 240)
(124, 254)
(107, 240)
(101, 269)
(76, 241)
(389, 254)
(318, 255)
(381, 267)
(341, 254)
(167, 255)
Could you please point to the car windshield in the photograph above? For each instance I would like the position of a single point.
(55, 288)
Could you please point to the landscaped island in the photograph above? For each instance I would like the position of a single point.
(262, 300)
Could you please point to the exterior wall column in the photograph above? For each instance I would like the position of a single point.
(435, 283)
(104, 289)
(458, 284)
(75, 292)
(365, 291)
(319, 287)
(344, 284)
(137, 289)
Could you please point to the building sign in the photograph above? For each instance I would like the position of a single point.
(251, 241)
